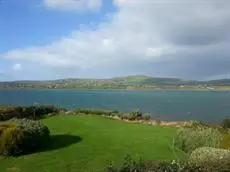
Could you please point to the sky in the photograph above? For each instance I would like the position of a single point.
(52, 39)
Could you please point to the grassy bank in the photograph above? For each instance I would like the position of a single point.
(86, 143)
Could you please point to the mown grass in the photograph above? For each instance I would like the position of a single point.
(88, 143)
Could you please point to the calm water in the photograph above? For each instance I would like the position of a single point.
(168, 105)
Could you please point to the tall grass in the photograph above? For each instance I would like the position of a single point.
(188, 139)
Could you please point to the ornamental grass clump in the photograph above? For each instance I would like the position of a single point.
(188, 139)
(11, 140)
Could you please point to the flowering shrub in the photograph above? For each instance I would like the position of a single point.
(212, 158)
(36, 134)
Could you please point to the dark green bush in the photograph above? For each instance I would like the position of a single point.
(95, 112)
(135, 115)
(226, 123)
(30, 112)
(146, 116)
(162, 166)
(36, 134)
(129, 165)
(22, 136)
(128, 116)
(158, 122)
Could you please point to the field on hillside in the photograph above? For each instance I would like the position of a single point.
(88, 143)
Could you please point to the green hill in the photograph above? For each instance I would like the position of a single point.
(136, 81)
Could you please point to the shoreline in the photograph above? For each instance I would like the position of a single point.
(141, 121)
(155, 122)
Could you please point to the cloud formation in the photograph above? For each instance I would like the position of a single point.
(72, 5)
(178, 38)
(17, 67)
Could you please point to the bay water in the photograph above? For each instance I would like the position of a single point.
(204, 106)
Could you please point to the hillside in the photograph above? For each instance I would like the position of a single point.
(134, 81)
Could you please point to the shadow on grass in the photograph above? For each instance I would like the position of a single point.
(55, 142)
(60, 141)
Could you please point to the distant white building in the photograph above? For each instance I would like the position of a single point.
(210, 88)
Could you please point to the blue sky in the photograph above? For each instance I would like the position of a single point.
(26, 22)
(50, 39)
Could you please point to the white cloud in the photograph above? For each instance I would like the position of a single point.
(73, 5)
(173, 33)
(17, 67)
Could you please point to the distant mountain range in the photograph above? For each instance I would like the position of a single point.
(127, 82)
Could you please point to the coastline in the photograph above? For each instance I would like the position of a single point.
(153, 122)
(150, 122)
(217, 89)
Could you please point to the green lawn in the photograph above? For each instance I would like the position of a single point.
(87, 143)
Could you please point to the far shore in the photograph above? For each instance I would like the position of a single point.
(214, 89)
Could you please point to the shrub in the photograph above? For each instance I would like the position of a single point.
(129, 117)
(30, 112)
(162, 166)
(146, 116)
(195, 124)
(136, 115)
(95, 112)
(5, 126)
(210, 158)
(188, 139)
(132, 116)
(22, 136)
(226, 123)
(225, 141)
(11, 140)
(158, 122)
(129, 165)
(36, 134)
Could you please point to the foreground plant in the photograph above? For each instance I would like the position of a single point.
(22, 136)
(212, 158)
(130, 165)
(225, 123)
(188, 139)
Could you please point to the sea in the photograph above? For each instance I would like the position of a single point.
(205, 106)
